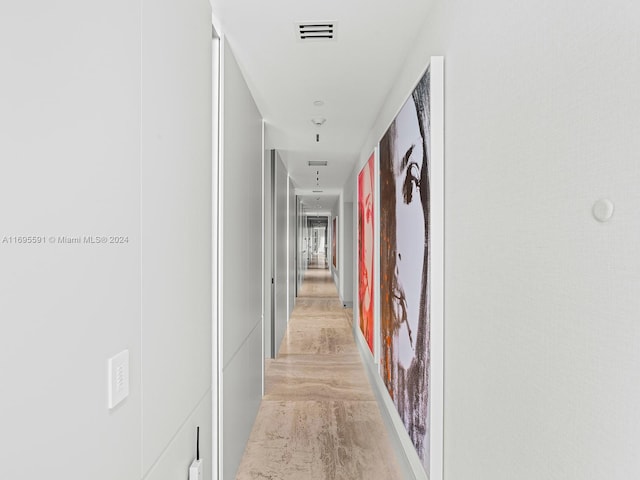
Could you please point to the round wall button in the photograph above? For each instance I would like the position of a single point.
(603, 210)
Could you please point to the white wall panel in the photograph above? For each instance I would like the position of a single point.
(291, 240)
(241, 262)
(268, 254)
(335, 212)
(79, 107)
(346, 256)
(242, 212)
(281, 253)
(181, 450)
(69, 166)
(541, 302)
(175, 218)
(300, 245)
(241, 399)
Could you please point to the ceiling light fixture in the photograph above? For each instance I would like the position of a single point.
(318, 121)
(318, 103)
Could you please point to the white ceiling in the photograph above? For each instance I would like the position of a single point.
(352, 75)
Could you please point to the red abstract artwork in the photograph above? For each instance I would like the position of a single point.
(366, 233)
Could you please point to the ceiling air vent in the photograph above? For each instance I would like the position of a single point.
(318, 191)
(317, 163)
(316, 31)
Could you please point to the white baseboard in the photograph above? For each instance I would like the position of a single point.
(406, 454)
(346, 304)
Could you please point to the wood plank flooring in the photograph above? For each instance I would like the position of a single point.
(319, 419)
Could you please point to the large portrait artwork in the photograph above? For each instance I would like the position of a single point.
(405, 265)
(366, 233)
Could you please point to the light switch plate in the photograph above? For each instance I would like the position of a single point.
(118, 367)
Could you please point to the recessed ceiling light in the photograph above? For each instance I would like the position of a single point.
(318, 103)
(318, 121)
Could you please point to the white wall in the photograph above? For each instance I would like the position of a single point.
(241, 262)
(350, 198)
(300, 245)
(268, 251)
(79, 105)
(346, 257)
(541, 301)
(278, 232)
(335, 212)
(350, 236)
(176, 235)
(69, 165)
(281, 252)
(291, 236)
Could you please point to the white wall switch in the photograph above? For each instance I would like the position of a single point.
(195, 470)
(118, 378)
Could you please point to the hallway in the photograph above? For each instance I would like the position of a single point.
(319, 418)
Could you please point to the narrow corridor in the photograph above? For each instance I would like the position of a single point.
(319, 418)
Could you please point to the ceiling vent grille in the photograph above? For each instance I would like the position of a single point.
(317, 163)
(316, 31)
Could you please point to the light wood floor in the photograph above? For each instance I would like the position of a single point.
(319, 419)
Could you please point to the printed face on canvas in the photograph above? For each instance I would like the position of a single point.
(408, 156)
(405, 265)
